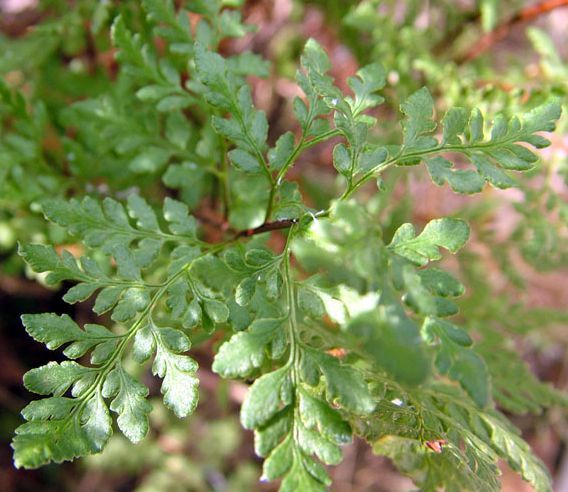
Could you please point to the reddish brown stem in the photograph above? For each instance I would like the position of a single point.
(267, 227)
(501, 31)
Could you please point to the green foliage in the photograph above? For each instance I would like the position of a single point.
(470, 440)
(450, 234)
(345, 330)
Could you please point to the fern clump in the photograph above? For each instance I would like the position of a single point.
(346, 329)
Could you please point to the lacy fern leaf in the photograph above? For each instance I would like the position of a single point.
(344, 327)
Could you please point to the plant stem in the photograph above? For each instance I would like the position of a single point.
(224, 178)
(526, 14)
(302, 145)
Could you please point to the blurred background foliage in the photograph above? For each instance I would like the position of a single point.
(57, 65)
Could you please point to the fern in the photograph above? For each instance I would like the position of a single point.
(345, 330)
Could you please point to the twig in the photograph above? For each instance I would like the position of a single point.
(266, 227)
(501, 31)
